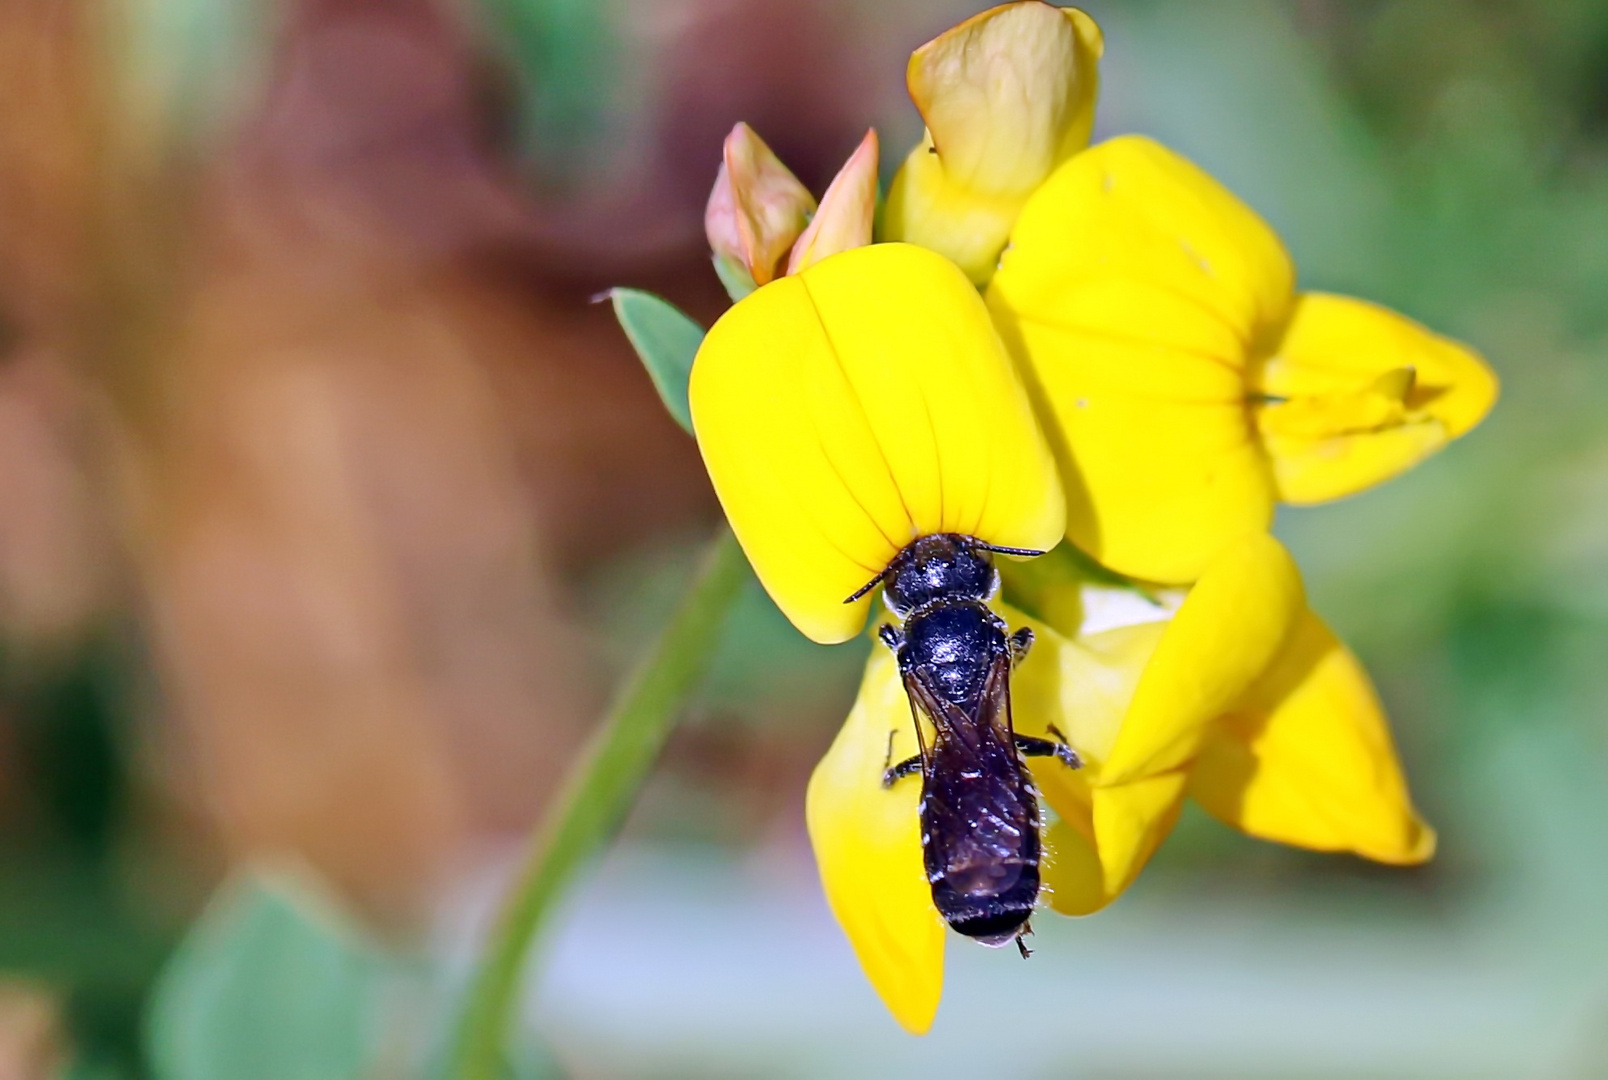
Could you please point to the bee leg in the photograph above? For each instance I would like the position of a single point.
(890, 636)
(907, 767)
(1031, 747)
(1027, 929)
(1020, 642)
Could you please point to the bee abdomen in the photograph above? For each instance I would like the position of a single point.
(990, 916)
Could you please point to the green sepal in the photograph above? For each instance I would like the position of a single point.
(735, 277)
(666, 339)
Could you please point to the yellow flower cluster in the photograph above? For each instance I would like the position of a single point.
(1099, 348)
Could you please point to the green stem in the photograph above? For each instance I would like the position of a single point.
(596, 795)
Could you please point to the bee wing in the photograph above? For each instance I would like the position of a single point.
(980, 813)
(990, 715)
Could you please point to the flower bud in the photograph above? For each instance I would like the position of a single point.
(757, 208)
(847, 210)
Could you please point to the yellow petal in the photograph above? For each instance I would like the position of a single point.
(867, 841)
(1103, 836)
(1230, 627)
(757, 208)
(846, 212)
(844, 411)
(1306, 758)
(1136, 289)
(1084, 687)
(1360, 394)
(1074, 882)
(1137, 702)
(1130, 822)
(1007, 96)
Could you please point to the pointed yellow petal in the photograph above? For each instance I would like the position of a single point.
(1136, 289)
(1229, 629)
(1074, 882)
(757, 208)
(1136, 702)
(844, 411)
(1360, 394)
(1007, 96)
(867, 841)
(1084, 688)
(1130, 822)
(846, 213)
(1306, 758)
(1103, 836)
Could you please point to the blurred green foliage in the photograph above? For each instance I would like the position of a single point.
(271, 983)
(68, 919)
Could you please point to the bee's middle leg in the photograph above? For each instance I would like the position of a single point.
(1055, 748)
(894, 773)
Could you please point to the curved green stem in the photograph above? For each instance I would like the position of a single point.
(598, 792)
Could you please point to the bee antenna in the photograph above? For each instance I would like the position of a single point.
(867, 587)
(1029, 552)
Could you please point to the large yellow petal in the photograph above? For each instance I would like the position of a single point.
(1359, 393)
(1137, 702)
(867, 841)
(844, 411)
(1230, 627)
(1007, 96)
(1136, 289)
(1306, 758)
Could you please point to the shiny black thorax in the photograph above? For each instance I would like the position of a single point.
(979, 810)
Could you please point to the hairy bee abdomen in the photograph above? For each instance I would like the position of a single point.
(992, 915)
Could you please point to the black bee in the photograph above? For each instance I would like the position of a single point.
(979, 809)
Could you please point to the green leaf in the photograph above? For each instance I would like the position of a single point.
(272, 983)
(666, 339)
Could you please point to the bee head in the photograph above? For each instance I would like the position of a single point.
(941, 566)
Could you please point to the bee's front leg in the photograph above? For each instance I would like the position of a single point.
(891, 636)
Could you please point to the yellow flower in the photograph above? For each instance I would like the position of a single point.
(1190, 385)
(1233, 692)
(1007, 96)
(846, 410)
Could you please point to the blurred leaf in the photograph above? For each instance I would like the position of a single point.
(564, 55)
(667, 340)
(192, 65)
(270, 984)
